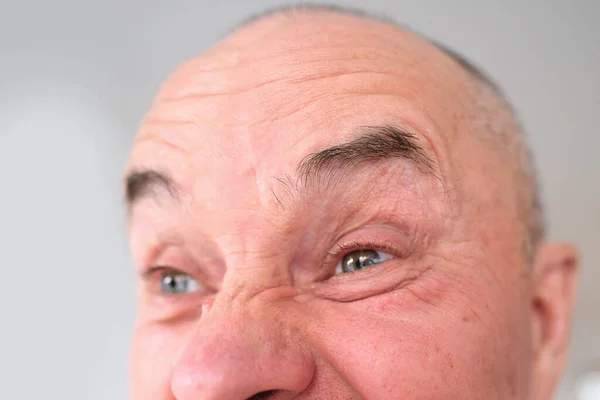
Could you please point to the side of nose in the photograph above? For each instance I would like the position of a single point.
(244, 352)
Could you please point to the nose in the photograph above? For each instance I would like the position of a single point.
(246, 351)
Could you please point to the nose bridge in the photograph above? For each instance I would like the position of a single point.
(244, 345)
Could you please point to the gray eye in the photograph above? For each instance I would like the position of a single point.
(360, 259)
(178, 283)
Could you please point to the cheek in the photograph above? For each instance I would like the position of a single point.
(149, 378)
(429, 342)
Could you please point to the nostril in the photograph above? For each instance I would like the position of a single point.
(263, 395)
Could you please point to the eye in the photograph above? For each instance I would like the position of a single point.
(172, 282)
(360, 259)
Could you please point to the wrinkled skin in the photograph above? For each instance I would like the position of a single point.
(457, 312)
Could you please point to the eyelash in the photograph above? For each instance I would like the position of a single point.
(151, 271)
(341, 250)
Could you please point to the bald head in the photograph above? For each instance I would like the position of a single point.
(292, 11)
(333, 207)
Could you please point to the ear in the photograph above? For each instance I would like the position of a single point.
(554, 275)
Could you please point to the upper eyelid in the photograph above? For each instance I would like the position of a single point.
(397, 239)
(198, 261)
(343, 249)
(151, 271)
(174, 258)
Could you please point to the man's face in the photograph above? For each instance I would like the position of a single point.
(271, 267)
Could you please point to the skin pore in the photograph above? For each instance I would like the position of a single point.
(301, 143)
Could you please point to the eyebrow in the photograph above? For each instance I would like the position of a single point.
(147, 183)
(373, 143)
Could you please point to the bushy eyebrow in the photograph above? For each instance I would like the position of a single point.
(147, 183)
(373, 143)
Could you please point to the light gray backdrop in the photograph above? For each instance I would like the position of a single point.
(76, 76)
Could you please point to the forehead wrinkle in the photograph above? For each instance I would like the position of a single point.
(147, 142)
(185, 104)
(308, 74)
(192, 92)
(289, 102)
(291, 55)
(201, 92)
(282, 61)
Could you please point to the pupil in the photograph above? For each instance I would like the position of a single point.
(360, 259)
(363, 262)
(173, 283)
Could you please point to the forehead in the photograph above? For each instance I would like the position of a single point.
(265, 97)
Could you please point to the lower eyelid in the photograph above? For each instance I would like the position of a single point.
(165, 308)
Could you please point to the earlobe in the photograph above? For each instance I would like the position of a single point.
(554, 276)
